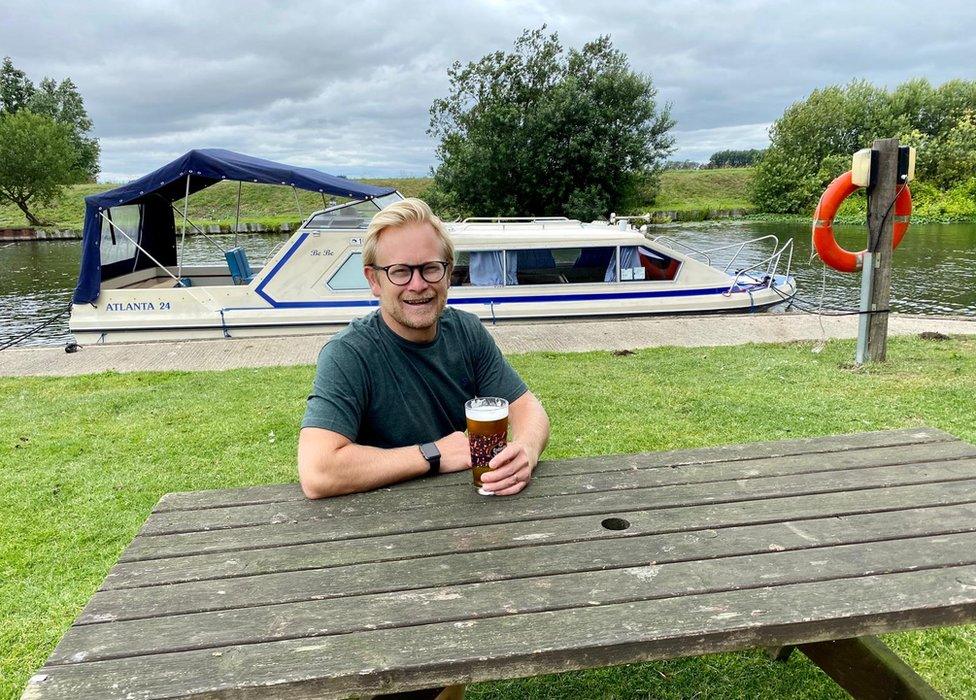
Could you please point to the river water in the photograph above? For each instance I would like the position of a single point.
(934, 270)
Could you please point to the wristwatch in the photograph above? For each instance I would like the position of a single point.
(433, 456)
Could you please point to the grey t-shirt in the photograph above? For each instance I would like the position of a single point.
(378, 389)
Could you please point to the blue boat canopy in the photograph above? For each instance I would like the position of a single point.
(144, 209)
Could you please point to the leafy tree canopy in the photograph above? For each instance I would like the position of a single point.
(544, 131)
(60, 102)
(34, 151)
(813, 141)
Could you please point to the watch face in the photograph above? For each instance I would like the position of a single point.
(430, 451)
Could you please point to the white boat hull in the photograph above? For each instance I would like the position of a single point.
(148, 317)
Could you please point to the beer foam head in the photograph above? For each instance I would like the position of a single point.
(486, 409)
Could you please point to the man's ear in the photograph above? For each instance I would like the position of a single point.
(373, 279)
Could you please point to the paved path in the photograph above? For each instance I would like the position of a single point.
(565, 336)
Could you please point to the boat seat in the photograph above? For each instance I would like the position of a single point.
(240, 269)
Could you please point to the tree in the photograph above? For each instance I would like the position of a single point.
(813, 141)
(62, 103)
(543, 131)
(58, 101)
(16, 88)
(36, 154)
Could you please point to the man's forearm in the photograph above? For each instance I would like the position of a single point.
(529, 426)
(355, 468)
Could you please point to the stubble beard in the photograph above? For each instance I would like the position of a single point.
(418, 322)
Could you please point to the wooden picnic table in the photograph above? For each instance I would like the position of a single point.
(258, 592)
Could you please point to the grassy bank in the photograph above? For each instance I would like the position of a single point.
(265, 204)
(687, 195)
(84, 459)
(704, 190)
(695, 193)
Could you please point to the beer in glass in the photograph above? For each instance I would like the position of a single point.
(487, 419)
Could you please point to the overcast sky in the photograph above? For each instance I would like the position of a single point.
(346, 87)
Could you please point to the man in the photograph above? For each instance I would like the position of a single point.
(387, 403)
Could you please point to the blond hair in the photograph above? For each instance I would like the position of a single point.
(406, 211)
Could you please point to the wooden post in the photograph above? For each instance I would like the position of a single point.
(876, 282)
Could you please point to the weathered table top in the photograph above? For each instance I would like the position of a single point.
(427, 583)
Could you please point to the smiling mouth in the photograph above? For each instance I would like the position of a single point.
(418, 302)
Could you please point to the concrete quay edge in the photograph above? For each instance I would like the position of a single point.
(559, 336)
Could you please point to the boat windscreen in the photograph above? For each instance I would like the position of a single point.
(351, 215)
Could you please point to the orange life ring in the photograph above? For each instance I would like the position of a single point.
(823, 223)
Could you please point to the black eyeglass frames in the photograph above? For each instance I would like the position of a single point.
(400, 274)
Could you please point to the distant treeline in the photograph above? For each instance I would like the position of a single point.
(722, 159)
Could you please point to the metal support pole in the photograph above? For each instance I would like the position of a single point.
(298, 205)
(237, 221)
(864, 320)
(186, 201)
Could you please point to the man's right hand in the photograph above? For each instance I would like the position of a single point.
(455, 452)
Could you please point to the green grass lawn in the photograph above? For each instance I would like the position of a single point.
(84, 459)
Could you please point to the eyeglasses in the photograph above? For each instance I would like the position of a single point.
(401, 273)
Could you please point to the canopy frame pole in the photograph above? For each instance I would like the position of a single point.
(298, 205)
(200, 231)
(186, 201)
(158, 264)
(237, 221)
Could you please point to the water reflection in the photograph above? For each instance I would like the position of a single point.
(934, 270)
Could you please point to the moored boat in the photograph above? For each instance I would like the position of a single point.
(134, 287)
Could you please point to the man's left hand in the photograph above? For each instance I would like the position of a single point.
(510, 471)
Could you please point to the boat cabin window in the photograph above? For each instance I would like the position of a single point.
(534, 266)
(350, 274)
(561, 266)
(640, 264)
(114, 246)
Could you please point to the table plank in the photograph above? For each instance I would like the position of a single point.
(248, 624)
(270, 557)
(217, 498)
(479, 510)
(525, 644)
(514, 563)
(633, 473)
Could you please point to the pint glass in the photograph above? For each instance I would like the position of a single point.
(487, 419)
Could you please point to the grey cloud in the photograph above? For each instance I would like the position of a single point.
(347, 86)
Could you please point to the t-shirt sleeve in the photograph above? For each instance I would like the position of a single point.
(495, 376)
(339, 392)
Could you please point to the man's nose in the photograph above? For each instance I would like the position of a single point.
(417, 282)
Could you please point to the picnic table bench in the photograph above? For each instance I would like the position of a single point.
(258, 592)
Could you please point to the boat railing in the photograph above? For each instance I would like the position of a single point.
(274, 252)
(673, 243)
(512, 219)
(505, 220)
(769, 265)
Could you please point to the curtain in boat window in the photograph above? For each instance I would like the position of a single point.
(486, 268)
(629, 261)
